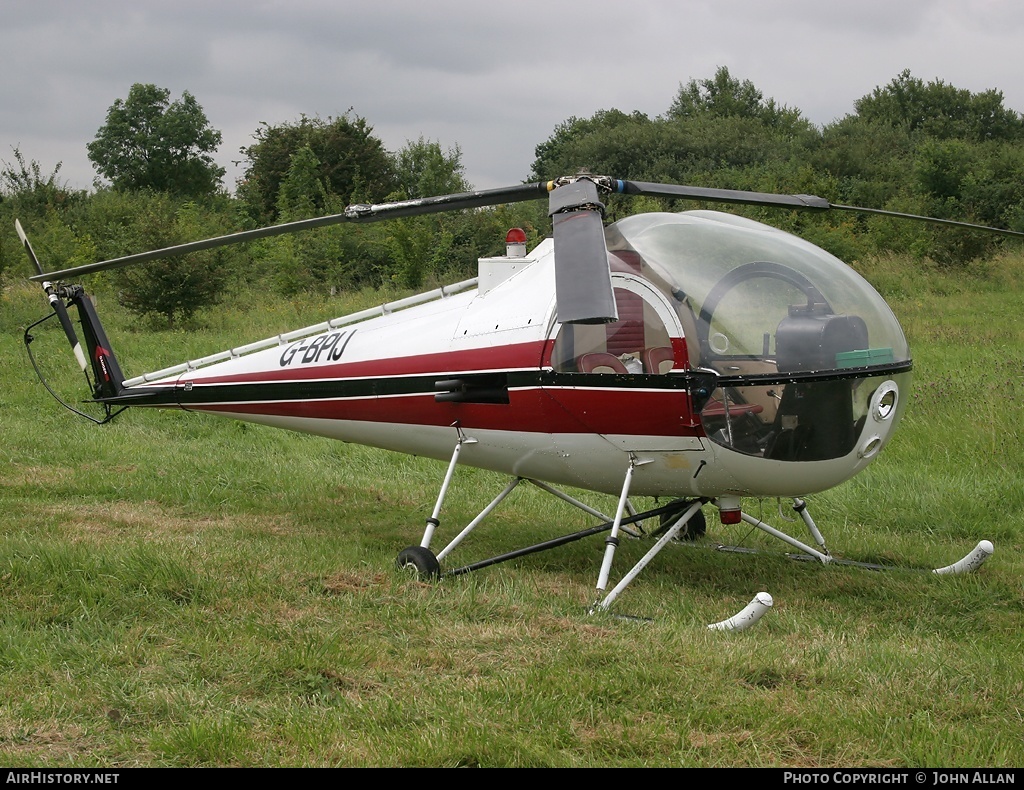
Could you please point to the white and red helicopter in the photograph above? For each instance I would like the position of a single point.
(696, 356)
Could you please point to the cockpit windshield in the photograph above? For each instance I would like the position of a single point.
(745, 290)
(809, 360)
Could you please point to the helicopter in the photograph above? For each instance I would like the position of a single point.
(698, 357)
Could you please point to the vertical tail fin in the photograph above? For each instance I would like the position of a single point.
(108, 380)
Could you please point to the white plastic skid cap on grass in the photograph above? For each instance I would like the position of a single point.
(747, 616)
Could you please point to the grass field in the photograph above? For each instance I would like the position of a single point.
(185, 591)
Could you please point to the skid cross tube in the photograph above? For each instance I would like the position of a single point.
(672, 507)
(756, 522)
(508, 489)
(584, 507)
(515, 481)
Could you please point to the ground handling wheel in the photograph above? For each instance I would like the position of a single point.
(695, 528)
(420, 561)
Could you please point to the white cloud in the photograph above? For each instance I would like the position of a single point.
(494, 79)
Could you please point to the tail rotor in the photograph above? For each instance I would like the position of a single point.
(56, 302)
(105, 379)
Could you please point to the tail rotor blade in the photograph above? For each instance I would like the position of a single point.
(28, 246)
(69, 330)
(55, 302)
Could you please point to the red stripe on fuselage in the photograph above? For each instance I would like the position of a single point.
(569, 410)
(517, 356)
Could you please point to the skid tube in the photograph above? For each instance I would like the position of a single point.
(672, 507)
(973, 560)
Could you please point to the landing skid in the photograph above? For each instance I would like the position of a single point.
(973, 560)
(679, 521)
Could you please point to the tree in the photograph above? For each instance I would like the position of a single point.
(149, 142)
(24, 183)
(174, 288)
(353, 163)
(933, 149)
(39, 201)
(583, 144)
(423, 170)
(420, 246)
(941, 110)
(310, 259)
(724, 96)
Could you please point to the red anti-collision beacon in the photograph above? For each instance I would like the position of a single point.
(515, 243)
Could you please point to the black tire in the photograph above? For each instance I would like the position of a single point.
(420, 560)
(695, 528)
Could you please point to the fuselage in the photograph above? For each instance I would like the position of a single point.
(744, 362)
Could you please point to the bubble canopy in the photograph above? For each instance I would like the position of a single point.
(804, 359)
(756, 291)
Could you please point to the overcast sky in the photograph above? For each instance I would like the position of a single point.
(493, 78)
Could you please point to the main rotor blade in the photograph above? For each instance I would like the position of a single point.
(513, 194)
(934, 220)
(811, 202)
(683, 192)
(355, 213)
(194, 246)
